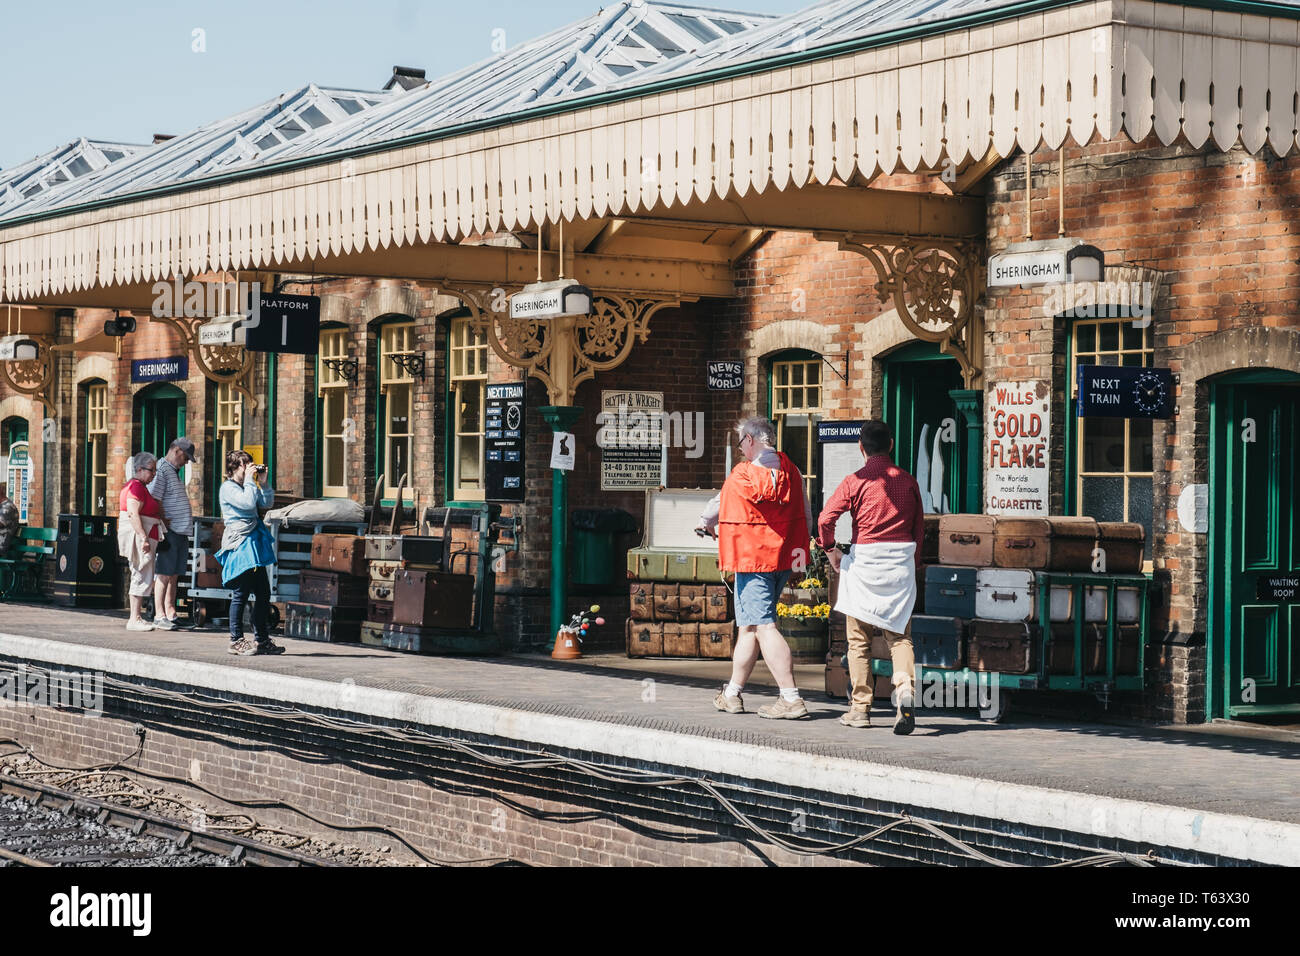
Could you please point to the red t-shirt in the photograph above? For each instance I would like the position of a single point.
(885, 503)
(150, 507)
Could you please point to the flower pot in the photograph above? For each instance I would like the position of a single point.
(806, 637)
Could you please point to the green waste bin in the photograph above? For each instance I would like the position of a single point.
(593, 542)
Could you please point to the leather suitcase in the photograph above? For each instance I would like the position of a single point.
(681, 640)
(316, 622)
(1073, 540)
(327, 587)
(716, 602)
(1002, 646)
(641, 604)
(966, 540)
(1005, 594)
(930, 543)
(645, 639)
(383, 571)
(1022, 543)
(1123, 542)
(938, 641)
(411, 548)
(344, 553)
(372, 634)
(949, 592)
(1060, 650)
(433, 599)
(718, 639)
(690, 602)
(427, 640)
(1128, 607)
(380, 591)
(837, 677)
(665, 601)
(379, 612)
(208, 579)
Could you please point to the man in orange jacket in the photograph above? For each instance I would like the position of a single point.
(761, 520)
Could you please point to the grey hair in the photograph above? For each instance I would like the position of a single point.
(759, 429)
(141, 459)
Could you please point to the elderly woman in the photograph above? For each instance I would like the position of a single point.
(139, 529)
(247, 550)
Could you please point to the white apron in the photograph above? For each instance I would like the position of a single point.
(878, 584)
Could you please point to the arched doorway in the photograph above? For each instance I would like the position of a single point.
(929, 435)
(158, 418)
(1253, 618)
(15, 463)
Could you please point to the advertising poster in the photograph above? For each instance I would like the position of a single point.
(1017, 436)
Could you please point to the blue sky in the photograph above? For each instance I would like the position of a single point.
(71, 68)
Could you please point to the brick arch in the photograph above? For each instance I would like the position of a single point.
(94, 366)
(790, 334)
(1229, 351)
(390, 300)
(336, 309)
(19, 405)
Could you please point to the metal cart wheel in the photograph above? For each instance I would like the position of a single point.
(1004, 708)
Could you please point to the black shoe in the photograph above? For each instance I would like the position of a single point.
(269, 647)
(905, 722)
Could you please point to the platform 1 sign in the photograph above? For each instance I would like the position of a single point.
(284, 323)
(503, 473)
(1017, 446)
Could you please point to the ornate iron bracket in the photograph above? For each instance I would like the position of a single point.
(565, 352)
(410, 362)
(213, 359)
(33, 377)
(933, 284)
(347, 368)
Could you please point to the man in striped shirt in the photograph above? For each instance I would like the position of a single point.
(169, 489)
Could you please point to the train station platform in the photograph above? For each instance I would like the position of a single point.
(1208, 794)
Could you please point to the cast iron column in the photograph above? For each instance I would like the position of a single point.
(560, 418)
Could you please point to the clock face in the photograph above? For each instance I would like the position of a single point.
(512, 417)
(1149, 392)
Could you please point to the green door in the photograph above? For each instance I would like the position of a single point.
(929, 432)
(159, 418)
(1254, 631)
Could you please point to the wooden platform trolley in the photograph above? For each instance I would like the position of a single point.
(292, 554)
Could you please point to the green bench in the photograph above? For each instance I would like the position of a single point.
(21, 565)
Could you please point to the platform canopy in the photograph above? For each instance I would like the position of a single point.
(714, 127)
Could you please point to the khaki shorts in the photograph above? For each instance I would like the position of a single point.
(142, 577)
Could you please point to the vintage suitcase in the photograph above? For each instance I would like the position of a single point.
(1123, 543)
(1128, 606)
(317, 622)
(664, 597)
(690, 602)
(372, 634)
(1005, 594)
(379, 612)
(716, 602)
(1060, 650)
(380, 591)
(1022, 543)
(329, 587)
(949, 592)
(837, 677)
(427, 640)
(645, 639)
(344, 553)
(208, 579)
(433, 599)
(640, 602)
(938, 641)
(383, 571)
(411, 548)
(681, 640)
(966, 540)
(1004, 646)
(717, 639)
(653, 564)
(930, 543)
(1073, 540)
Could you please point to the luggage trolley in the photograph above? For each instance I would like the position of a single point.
(1062, 661)
(292, 543)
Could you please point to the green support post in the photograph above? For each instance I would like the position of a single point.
(560, 418)
(968, 401)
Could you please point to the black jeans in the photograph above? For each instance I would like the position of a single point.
(252, 582)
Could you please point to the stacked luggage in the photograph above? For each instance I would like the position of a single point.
(981, 599)
(331, 591)
(679, 619)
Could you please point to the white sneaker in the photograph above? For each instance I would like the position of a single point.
(164, 624)
(139, 626)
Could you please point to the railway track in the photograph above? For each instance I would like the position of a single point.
(41, 825)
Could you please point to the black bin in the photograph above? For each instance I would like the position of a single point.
(85, 562)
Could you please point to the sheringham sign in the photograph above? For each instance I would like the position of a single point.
(550, 300)
(1078, 263)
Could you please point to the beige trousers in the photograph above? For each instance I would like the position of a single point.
(900, 654)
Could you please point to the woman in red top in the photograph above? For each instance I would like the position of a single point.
(139, 528)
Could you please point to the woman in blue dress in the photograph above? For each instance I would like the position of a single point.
(247, 550)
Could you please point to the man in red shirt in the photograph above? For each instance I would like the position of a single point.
(877, 578)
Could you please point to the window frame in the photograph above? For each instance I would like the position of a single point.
(221, 433)
(330, 385)
(95, 432)
(456, 376)
(812, 481)
(384, 381)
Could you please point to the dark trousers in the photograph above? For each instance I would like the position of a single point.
(252, 582)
